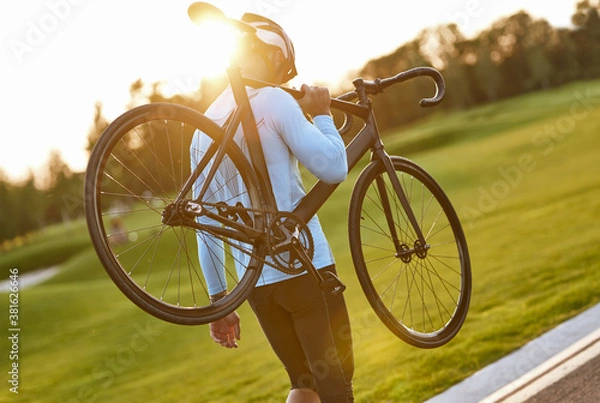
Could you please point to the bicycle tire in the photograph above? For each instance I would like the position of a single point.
(422, 299)
(136, 169)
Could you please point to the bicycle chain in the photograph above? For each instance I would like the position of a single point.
(282, 229)
(219, 205)
(282, 226)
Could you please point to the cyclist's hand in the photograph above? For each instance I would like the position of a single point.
(316, 100)
(226, 331)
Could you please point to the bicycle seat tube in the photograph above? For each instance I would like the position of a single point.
(248, 122)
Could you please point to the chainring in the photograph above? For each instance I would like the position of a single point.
(282, 229)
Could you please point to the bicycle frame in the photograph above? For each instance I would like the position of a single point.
(366, 139)
(139, 175)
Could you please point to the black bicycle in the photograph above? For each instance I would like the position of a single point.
(147, 209)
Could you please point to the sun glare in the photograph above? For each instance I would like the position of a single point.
(205, 54)
(216, 44)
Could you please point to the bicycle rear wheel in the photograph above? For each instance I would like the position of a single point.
(136, 170)
(420, 293)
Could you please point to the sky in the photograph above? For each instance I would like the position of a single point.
(58, 58)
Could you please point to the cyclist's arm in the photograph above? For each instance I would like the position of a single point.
(212, 262)
(318, 147)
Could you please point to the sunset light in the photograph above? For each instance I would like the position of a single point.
(216, 44)
(334, 201)
(61, 57)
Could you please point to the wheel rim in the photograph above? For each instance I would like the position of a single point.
(420, 291)
(138, 175)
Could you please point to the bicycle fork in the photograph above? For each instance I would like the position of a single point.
(403, 251)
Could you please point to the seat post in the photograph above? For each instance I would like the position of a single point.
(257, 157)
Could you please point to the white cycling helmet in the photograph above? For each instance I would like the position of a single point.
(271, 34)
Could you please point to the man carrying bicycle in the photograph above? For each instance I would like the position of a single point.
(308, 329)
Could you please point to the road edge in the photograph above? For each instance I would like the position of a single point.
(491, 379)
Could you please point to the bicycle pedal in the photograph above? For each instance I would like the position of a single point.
(332, 283)
(338, 290)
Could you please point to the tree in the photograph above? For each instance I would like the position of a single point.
(587, 37)
(404, 97)
(538, 61)
(63, 190)
(486, 66)
(444, 44)
(20, 207)
(100, 124)
(563, 54)
(582, 9)
(511, 37)
(30, 203)
(6, 209)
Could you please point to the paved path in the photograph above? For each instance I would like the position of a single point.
(511, 378)
(580, 386)
(561, 379)
(30, 279)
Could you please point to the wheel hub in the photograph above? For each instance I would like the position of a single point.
(420, 249)
(405, 253)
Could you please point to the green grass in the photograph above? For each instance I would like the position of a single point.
(47, 247)
(529, 198)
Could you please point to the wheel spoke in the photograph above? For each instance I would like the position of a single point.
(420, 290)
(135, 175)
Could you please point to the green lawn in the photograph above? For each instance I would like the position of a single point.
(523, 175)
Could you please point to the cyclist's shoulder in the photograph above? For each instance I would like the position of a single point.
(275, 94)
(222, 105)
(277, 100)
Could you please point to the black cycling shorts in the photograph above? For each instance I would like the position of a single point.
(310, 332)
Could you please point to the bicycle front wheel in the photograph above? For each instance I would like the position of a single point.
(134, 181)
(420, 292)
